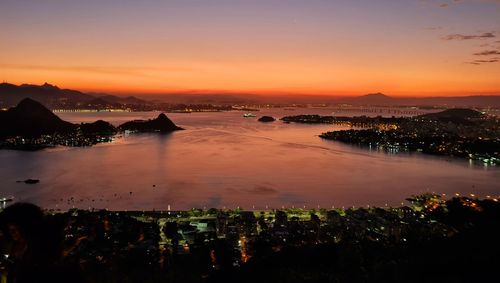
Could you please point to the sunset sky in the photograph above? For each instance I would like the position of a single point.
(348, 47)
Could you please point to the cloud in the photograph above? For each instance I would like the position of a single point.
(450, 3)
(461, 1)
(457, 36)
(479, 62)
(487, 53)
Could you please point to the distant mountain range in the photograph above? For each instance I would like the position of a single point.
(53, 97)
(457, 101)
(374, 99)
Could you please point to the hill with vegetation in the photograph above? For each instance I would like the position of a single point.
(161, 124)
(31, 119)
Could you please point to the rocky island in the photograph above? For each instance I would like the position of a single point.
(266, 119)
(29, 181)
(161, 124)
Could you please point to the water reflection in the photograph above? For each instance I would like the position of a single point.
(224, 160)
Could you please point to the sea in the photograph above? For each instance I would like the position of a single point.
(223, 160)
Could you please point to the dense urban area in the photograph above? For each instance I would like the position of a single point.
(431, 238)
(463, 133)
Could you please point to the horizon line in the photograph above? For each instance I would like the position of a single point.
(270, 93)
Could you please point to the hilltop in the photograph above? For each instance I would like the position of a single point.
(31, 119)
(161, 124)
(455, 113)
(369, 99)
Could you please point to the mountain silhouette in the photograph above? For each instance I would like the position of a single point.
(54, 97)
(49, 95)
(31, 119)
(369, 99)
(456, 115)
(97, 127)
(123, 100)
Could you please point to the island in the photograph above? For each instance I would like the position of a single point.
(266, 119)
(161, 124)
(29, 181)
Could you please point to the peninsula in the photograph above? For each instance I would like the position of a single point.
(31, 126)
(461, 133)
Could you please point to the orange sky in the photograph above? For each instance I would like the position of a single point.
(309, 47)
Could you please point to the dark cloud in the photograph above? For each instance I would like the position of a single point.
(469, 36)
(479, 62)
(450, 3)
(487, 53)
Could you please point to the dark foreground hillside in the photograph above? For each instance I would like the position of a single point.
(431, 240)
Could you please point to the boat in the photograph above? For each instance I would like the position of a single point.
(249, 115)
